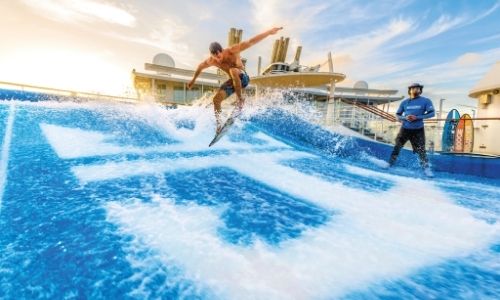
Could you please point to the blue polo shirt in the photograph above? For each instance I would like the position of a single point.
(420, 107)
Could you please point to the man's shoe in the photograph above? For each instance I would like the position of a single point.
(428, 172)
(385, 165)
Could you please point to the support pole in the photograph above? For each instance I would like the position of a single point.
(331, 106)
(259, 65)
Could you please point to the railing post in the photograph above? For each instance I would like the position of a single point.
(331, 109)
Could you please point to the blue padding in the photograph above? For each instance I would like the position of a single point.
(291, 127)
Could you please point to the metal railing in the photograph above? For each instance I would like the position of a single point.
(62, 92)
(372, 124)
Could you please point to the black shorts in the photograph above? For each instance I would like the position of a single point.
(228, 87)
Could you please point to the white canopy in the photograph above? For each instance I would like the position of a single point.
(490, 81)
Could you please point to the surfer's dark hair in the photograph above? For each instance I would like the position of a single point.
(215, 48)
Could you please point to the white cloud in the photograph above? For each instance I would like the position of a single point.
(468, 59)
(443, 24)
(167, 34)
(365, 55)
(485, 14)
(373, 42)
(82, 11)
(490, 38)
(451, 80)
(297, 16)
(464, 67)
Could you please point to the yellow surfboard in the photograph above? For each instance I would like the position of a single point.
(464, 135)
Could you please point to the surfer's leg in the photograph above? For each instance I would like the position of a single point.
(235, 75)
(219, 96)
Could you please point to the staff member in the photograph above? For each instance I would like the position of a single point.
(412, 112)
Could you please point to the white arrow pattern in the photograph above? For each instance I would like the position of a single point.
(372, 236)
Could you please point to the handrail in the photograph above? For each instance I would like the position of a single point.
(72, 93)
(474, 119)
(372, 109)
(182, 72)
(377, 111)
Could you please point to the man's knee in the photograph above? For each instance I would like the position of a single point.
(399, 142)
(219, 96)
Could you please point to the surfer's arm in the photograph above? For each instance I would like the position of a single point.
(205, 64)
(247, 44)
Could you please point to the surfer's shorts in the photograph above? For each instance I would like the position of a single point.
(228, 87)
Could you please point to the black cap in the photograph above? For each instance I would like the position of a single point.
(415, 85)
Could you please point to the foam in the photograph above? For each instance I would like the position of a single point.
(376, 161)
(76, 143)
(116, 170)
(4, 157)
(374, 237)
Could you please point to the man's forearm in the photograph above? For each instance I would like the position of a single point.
(260, 37)
(400, 117)
(196, 74)
(427, 115)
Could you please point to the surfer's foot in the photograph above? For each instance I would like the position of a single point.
(239, 105)
(218, 121)
(237, 111)
(235, 114)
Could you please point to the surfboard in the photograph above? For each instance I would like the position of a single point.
(229, 122)
(468, 133)
(448, 137)
(464, 135)
(458, 145)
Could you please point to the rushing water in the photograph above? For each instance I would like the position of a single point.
(120, 201)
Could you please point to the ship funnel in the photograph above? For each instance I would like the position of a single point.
(234, 36)
(297, 54)
(280, 48)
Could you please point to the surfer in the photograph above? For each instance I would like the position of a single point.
(412, 112)
(229, 61)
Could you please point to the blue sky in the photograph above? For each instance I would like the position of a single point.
(93, 45)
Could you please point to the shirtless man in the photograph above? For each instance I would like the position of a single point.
(229, 61)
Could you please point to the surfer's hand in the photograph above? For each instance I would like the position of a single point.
(190, 85)
(274, 30)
